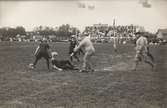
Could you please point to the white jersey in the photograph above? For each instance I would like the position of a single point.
(141, 44)
(87, 44)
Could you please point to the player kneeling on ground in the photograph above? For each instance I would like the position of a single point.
(42, 51)
(142, 51)
(61, 64)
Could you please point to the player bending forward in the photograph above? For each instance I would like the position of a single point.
(61, 64)
(42, 51)
(142, 51)
(89, 51)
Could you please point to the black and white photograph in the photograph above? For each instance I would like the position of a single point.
(83, 53)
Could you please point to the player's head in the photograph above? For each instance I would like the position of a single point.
(139, 34)
(142, 34)
(54, 55)
(73, 37)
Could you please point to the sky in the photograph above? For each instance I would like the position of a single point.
(55, 13)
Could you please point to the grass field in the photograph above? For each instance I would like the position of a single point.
(116, 87)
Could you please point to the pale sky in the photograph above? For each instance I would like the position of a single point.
(54, 13)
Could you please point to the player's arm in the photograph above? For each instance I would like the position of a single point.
(37, 50)
(136, 44)
(79, 46)
(55, 67)
(146, 46)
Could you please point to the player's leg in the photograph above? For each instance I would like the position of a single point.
(87, 61)
(46, 56)
(137, 59)
(73, 67)
(89, 64)
(81, 51)
(148, 61)
(47, 62)
(76, 57)
(152, 60)
(37, 58)
(150, 55)
(69, 63)
(84, 66)
(135, 65)
(54, 65)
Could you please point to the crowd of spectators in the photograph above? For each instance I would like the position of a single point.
(103, 32)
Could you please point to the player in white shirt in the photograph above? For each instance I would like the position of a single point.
(89, 51)
(115, 41)
(142, 51)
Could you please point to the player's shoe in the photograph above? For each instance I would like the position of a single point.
(31, 66)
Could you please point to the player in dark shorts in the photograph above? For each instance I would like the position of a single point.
(42, 51)
(61, 64)
(73, 44)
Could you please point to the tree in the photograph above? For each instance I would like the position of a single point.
(65, 31)
(20, 30)
(3, 33)
(11, 33)
(44, 31)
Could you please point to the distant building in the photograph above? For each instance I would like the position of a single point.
(100, 25)
(162, 34)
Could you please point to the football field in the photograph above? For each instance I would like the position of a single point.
(112, 85)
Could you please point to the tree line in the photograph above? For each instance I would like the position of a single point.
(63, 31)
(8, 32)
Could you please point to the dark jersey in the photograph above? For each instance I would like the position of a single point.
(43, 47)
(72, 46)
